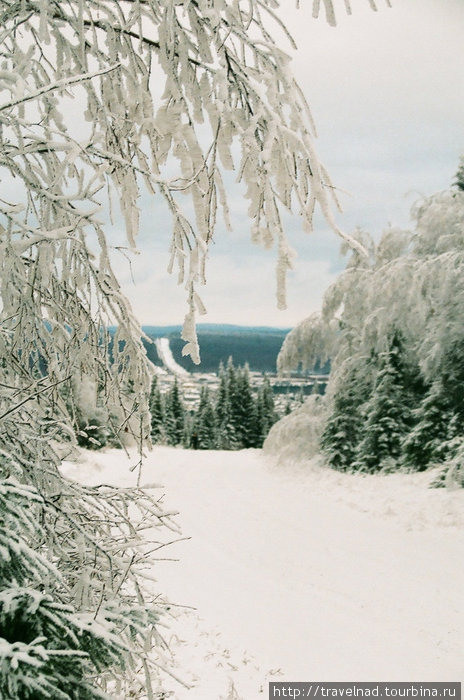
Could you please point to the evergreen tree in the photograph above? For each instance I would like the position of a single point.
(266, 395)
(243, 408)
(231, 379)
(342, 431)
(47, 649)
(340, 437)
(387, 413)
(204, 425)
(156, 406)
(460, 175)
(226, 438)
(188, 437)
(265, 412)
(257, 421)
(451, 373)
(175, 416)
(222, 403)
(427, 442)
(452, 473)
(439, 418)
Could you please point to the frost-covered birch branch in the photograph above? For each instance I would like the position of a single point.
(220, 64)
(57, 85)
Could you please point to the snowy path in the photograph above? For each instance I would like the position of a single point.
(321, 575)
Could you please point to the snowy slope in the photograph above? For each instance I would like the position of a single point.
(164, 352)
(304, 574)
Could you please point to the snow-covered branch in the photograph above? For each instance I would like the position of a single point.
(57, 85)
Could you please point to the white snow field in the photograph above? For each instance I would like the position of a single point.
(301, 573)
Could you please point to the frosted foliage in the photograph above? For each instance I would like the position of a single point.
(47, 649)
(95, 537)
(410, 280)
(438, 290)
(224, 84)
(296, 436)
(330, 8)
(317, 338)
(410, 287)
(310, 341)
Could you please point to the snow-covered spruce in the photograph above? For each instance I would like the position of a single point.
(73, 556)
(47, 649)
(392, 325)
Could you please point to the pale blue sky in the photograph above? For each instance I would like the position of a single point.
(387, 94)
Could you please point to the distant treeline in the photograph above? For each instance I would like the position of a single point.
(257, 347)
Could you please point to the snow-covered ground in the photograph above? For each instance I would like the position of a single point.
(300, 573)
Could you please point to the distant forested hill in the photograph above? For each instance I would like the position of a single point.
(256, 345)
(259, 346)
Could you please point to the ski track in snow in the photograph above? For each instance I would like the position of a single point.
(303, 573)
(167, 358)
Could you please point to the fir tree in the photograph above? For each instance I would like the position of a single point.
(342, 431)
(188, 434)
(243, 408)
(439, 417)
(242, 421)
(231, 379)
(265, 413)
(387, 413)
(204, 425)
(257, 421)
(156, 406)
(459, 182)
(47, 649)
(266, 395)
(426, 443)
(452, 473)
(175, 416)
(340, 437)
(222, 412)
(226, 436)
(451, 373)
